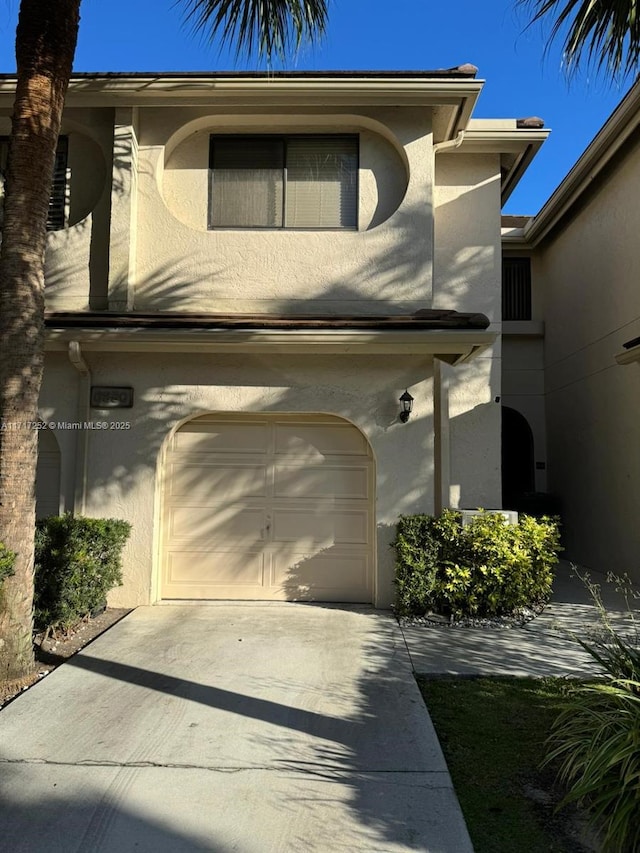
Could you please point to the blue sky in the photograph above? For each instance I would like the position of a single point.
(141, 35)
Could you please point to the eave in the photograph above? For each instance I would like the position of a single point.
(516, 148)
(451, 345)
(451, 93)
(605, 147)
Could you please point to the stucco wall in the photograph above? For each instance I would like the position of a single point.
(123, 464)
(591, 271)
(386, 263)
(523, 390)
(76, 262)
(467, 277)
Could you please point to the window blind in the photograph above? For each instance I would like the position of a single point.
(291, 182)
(321, 182)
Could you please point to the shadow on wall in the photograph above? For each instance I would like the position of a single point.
(474, 445)
(301, 581)
(172, 394)
(77, 257)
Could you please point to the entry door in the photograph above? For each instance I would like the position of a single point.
(268, 508)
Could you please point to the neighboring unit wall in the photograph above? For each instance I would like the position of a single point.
(523, 369)
(591, 271)
(467, 271)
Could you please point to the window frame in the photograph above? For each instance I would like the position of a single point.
(283, 138)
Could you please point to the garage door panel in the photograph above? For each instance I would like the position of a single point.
(318, 481)
(319, 440)
(197, 480)
(204, 527)
(214, 569)
(327, 576)
(332, 527)
(230, 437)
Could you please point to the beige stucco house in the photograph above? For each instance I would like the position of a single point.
(245, 273)
(572, 367)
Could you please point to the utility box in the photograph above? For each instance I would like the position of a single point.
(510, 515)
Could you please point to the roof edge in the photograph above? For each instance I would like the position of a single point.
(423, 319)
(622, 122)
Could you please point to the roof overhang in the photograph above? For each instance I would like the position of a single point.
(607, 144)
(452, 346)
(451, 93)
(516, 147)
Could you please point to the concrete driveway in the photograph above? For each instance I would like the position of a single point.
(253, 727)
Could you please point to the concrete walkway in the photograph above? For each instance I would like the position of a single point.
(248, 728)
(545, 646)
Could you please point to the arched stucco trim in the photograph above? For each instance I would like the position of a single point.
(257, 123)
(379, 134)
(518, 430)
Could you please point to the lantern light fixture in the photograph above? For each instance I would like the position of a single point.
(406, 401)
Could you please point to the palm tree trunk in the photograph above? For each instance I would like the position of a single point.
(45, 45)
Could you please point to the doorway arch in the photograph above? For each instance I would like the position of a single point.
(518, 466)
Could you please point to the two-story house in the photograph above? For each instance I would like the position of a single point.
(245, 274)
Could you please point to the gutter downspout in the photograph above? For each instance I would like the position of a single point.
(82, 445)
(450, 143)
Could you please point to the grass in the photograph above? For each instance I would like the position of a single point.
(493, 732)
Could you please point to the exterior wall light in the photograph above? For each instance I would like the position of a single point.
(406, 401)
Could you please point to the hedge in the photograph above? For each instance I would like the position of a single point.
(77, 562)
(487, 568)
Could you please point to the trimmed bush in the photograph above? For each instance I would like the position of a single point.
(77, 562)
(487, 568)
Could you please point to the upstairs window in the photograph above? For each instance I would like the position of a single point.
(283, 182)
(516, 289)
(57, 215)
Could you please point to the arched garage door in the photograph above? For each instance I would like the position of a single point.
(268, 507)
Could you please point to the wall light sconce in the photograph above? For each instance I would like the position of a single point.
(406, 401)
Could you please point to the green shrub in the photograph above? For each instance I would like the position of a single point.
(597, 736)
(77, 561)
(486, 568)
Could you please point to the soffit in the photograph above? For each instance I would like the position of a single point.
(451, 345)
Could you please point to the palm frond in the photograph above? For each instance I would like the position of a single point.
(266, 29)
(601, 34)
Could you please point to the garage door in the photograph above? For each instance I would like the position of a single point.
(268, 508)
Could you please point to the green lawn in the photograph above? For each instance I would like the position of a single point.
(492, 732)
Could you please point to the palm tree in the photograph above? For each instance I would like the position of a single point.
(604, 34)
(45, 46)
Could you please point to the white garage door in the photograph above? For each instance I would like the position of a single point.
(268, 508)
